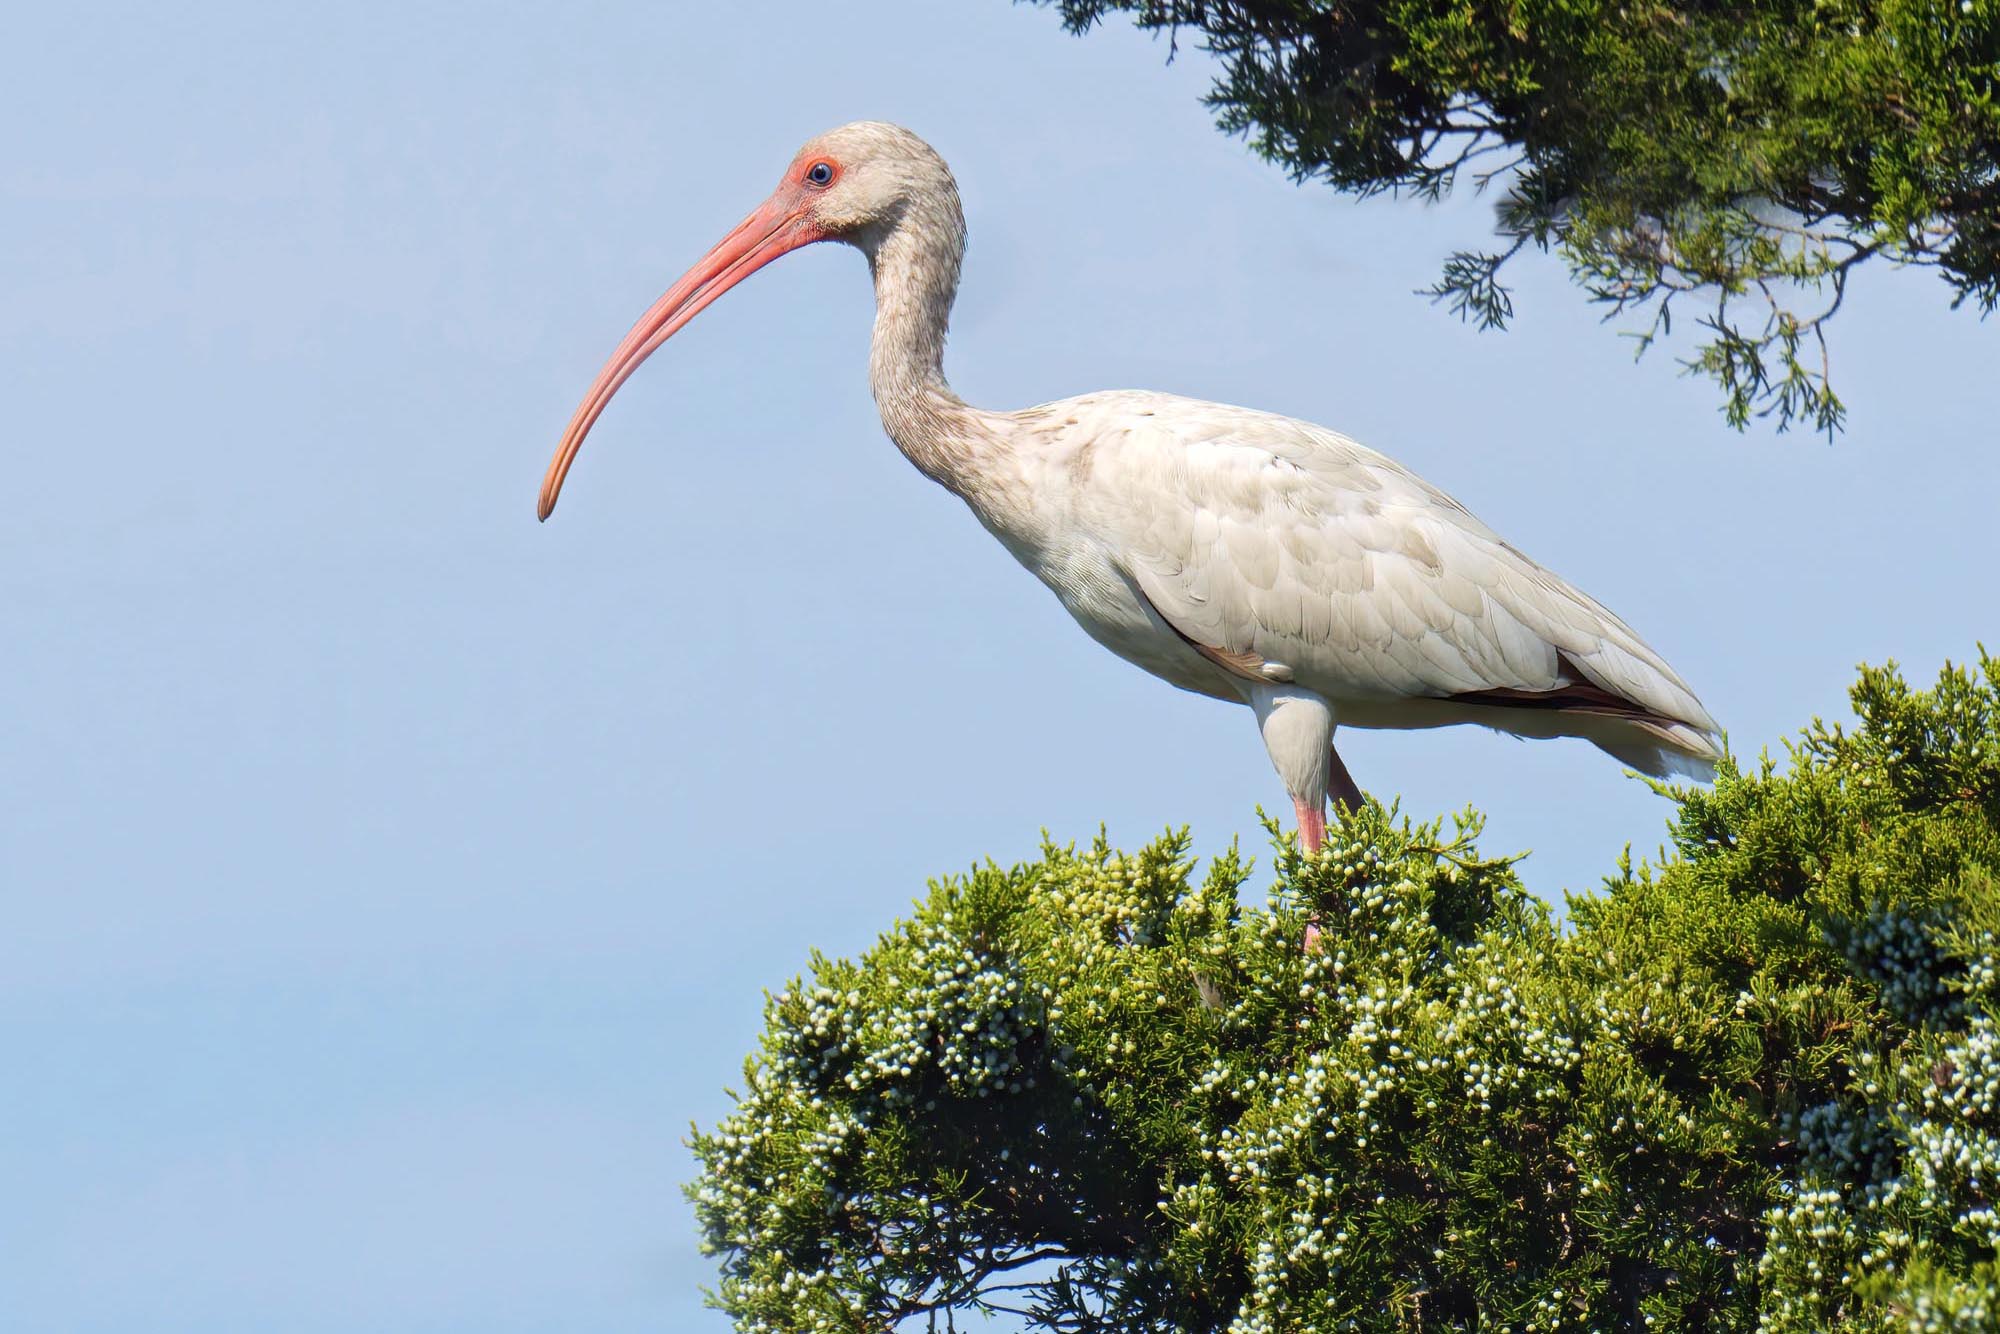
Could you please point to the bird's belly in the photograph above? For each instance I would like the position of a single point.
(1104, 602)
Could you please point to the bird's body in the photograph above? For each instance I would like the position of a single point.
(1238, 554)
(1167, 525)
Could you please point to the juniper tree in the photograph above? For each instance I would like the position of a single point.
(1736, 163)
(1756, 1085)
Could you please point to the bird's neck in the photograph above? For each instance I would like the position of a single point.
(916, 279)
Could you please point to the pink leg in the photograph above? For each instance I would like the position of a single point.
(1312, 833)
(1312, 823)
(1347, 799)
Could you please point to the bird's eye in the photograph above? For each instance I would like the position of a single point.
(819, 173)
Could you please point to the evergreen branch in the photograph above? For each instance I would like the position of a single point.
(1665, 150)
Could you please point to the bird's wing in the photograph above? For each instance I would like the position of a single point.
(1285, 544)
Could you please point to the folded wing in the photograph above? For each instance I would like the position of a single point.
(1274, 540)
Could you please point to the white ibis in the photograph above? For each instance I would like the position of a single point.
(1234, 553)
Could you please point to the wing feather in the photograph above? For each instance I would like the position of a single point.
(1271, 539)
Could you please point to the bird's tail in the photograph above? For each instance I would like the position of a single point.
(1663, 748)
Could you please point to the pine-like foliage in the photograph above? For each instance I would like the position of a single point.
(1736, 163)
(1754, 1087)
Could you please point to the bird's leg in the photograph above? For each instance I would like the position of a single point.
(1298, 731)
(1312, 833)
(1347, 798)
(1312, 822)
(1340, 785)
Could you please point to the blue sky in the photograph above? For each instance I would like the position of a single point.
(389, 881)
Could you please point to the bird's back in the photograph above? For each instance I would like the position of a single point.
(1271, 540)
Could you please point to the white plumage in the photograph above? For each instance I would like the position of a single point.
(1243, 555)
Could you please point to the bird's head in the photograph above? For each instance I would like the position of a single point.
(863, 183)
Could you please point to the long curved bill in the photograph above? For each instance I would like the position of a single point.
(771, 231)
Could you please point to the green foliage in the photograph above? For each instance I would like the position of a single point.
(1755, 1087)
(1744, 158)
